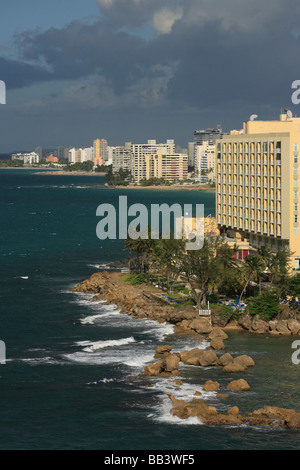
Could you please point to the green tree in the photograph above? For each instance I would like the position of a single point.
(294, 286)
(120, 178)
(205, 267)
(264, 305)
(265, 255)
(250, 270)
(280, 272)
(164, 256)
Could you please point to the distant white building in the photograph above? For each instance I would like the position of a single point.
(81, 155)
(87, 154)
(205, 162)
(27, 158)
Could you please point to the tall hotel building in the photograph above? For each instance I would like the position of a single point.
(257, 190)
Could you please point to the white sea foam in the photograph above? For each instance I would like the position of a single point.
(96, 345)
(185, 391)
(100, 266)
(36, 361)
(160, 330)
(139, 361)
(108, 311)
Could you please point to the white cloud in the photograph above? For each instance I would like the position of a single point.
(164, 19)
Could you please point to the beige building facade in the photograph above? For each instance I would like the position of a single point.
(100, 151)
(139, 152)
(257, 187)
(171, 167)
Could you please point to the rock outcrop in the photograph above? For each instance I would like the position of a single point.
(238, 385)
(277, 326)
(266, 416)
(239, 364)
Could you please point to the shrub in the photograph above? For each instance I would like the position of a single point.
(135, 279)
(226, 312)
(265, 306)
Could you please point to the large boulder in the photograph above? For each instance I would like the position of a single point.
(238, 385)
(162, 351)
(293, 326)
(225, 359)
(154, 369)
(239, 364)
(201, 326)
(191, 357)
(245, 321)
(259, 326)
(171, 363)
(282, 327)
(234, 411)
(208, 358)
(234, 367)
(217, 333)
(245, 360)
(217, 343)
(211, 386)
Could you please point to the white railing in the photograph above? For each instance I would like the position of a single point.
(204, 313)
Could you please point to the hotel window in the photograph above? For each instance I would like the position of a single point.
(295, 218)
(295, 194)
(296, 147)
(295, 159)
(296, 207)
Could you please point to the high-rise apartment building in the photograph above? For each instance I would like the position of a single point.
(257, 191)
(205, 162)
(139, 151)
(121, 158)
(80, 155)
(209, 135)
(172, 167)
(100, 151)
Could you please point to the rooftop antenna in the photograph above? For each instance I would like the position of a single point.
(253, 117)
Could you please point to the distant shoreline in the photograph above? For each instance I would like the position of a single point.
(72, 173)
(52, 171)
(177, 187)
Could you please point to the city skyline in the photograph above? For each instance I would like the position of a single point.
(133, 69)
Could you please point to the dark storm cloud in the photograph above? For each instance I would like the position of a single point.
(81, 50)
(209, 52)
(20, 74)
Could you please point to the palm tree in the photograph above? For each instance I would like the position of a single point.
(265, 255)
(250, 271)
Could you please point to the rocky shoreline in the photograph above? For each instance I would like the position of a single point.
(142, 302)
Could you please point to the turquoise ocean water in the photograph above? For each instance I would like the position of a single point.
(73, 377)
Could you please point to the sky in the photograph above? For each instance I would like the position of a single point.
(133, 70)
